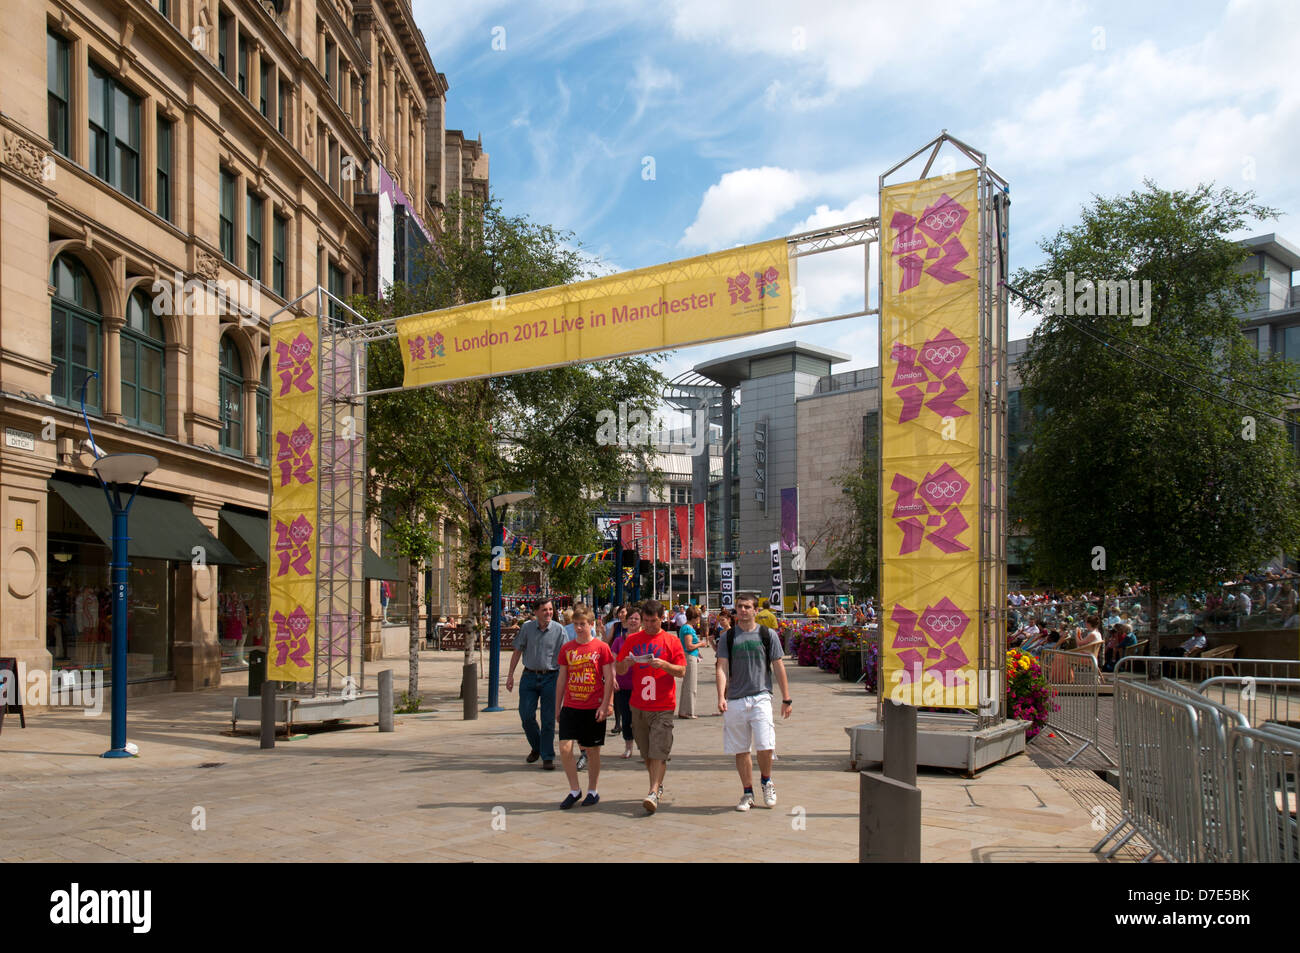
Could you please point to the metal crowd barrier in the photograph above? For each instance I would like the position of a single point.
(1075, 682)
(1266, 763)
(1261, 700)
(1199, 669)
(1198, 783)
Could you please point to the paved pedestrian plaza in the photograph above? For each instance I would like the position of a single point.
(443, 789)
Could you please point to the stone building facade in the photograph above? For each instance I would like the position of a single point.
(172, 174)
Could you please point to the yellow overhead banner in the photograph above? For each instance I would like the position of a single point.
(740, 291)
(930, 489)
(295, 489)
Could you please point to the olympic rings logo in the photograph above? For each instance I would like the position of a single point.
(942, 355)
(943, 220)
(944, 623)
(945, 490)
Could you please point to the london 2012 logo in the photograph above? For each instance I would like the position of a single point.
(929, 510)
(765, 284)
(422, 348)
(929, 642)
(935, 234)
(936, 365)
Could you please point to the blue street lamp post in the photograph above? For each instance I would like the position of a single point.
(497, 507)
(115, 471)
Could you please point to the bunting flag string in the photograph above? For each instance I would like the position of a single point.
(522, 546)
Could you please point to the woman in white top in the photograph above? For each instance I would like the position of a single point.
(1092, 641)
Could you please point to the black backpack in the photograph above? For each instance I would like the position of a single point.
(763, 633)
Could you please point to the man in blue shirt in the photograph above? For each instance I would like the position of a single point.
(539, 642)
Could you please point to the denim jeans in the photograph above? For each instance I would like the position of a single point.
(623, 702)
(532, 688)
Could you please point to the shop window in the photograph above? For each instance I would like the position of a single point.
(144, 374)
(75, 329)
(232, 398)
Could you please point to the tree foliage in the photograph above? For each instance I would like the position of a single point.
(854, 545)
(1165, 457)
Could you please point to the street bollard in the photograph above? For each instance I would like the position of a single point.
(268, 714)
(386, 700)
(889, 820)
(900, 743)
(469, 690)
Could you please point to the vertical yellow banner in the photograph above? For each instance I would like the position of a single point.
(295, 423)
(930, 489)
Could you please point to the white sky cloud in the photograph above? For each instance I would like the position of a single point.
(744, 202)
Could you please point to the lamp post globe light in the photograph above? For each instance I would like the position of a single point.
(497, 507)
(117, 471)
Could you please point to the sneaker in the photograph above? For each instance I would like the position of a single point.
(582, 761)
(661, 792)
(746, 802)
(651, 803)
(769, 793)
(569, 801)
(590, 799)
(533, 756)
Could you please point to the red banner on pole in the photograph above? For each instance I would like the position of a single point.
(663, 532)
(683, 516)
(645, 528)
(698, 545)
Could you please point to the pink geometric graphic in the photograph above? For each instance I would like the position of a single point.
(292, 545)
(293, 364)
(932, 503)
(290, 639)
(937, 365)
(293, 454)
(932, 645)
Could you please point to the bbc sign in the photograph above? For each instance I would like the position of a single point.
(728, 576)
(777, 600)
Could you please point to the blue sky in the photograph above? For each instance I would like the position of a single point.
(767, 118)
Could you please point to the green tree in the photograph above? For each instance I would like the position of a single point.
(450, 449)
(854, 546)
(1154, 456)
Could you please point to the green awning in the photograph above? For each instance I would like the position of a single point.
(255, 531)
(376, 566)
(251, 529)
(158, 528)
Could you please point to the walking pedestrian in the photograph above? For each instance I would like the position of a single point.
(655, 659)
(631, 622)
(746, 657)
(691, 643)
(538, 642)
(584, 699)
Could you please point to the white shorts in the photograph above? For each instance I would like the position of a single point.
(747, 723)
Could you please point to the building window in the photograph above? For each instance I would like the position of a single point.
(232, 398)
(679, 494)
(263, 87)
(75, 324)
(1289, 342)
(165, 8)
(1252, 338)
(58, 58)
(253, 261)
(144, 349)
(223, 42)
(329, 64)
(114, 133)
(279, 243)
(165, 169)
(243, 65)
(620, 495)
(264, 413)
(228, 216)
(282, 109)
(336, 289)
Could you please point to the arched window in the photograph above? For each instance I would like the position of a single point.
(144, 378)
(232, 398)
(264, 413)
(75, 334)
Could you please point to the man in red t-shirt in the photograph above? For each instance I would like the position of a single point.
(656, 660)
(584, 699)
